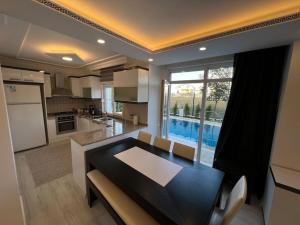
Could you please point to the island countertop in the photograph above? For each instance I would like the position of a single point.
(107, 129)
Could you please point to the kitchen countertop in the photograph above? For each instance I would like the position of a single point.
(107, 129)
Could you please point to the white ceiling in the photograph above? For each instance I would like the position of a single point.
(70, 29)
(25, 40)
(159, 23)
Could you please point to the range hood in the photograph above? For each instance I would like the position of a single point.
(62, 86)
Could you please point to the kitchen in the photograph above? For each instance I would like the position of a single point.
(69, 105)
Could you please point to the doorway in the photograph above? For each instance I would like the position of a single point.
(194, 105)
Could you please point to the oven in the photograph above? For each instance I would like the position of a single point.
(65, 123)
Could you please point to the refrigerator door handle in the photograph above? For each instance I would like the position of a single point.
(24, 103)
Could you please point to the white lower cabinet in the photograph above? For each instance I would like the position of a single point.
(82, 124)
(51, 124)
(282, 198)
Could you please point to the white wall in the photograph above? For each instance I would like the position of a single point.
(286, 145)
(156, 75)
(10, 205)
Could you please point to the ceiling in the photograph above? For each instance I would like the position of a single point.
(160, 24)
(23, 40)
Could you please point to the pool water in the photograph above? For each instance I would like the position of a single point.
(189, 130)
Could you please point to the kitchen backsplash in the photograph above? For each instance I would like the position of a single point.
(65, 104)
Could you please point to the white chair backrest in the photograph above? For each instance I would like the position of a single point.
(235, 200)
(184, 151)
(162, 143)
(144, 137)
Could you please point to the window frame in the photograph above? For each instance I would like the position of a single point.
(205, 81)
(114, 113)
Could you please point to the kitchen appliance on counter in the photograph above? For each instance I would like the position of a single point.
(92, 109)
(65, 122)
(26, 116)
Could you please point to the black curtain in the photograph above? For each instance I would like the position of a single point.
(245, 140)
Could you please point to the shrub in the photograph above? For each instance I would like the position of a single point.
(175, 109)
(186, 109)
(208, 112)
(197, 111)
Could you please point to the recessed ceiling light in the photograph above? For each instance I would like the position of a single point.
(66, 58)
(101, 41)
(202, 48)
(42, 71)
(150, 60)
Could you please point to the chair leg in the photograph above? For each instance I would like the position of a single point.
(91, 197)
(219, 200)
(248, 199)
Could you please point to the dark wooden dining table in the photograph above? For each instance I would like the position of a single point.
(189, 198)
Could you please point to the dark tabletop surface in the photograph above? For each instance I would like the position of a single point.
(189, 198)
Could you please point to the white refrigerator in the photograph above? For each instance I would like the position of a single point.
(26, 117)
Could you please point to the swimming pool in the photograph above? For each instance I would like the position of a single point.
(189, 130)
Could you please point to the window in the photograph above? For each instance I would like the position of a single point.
(118, 108)
(220, 73)
(192, 75)
(108, 99)
(108, 104)
(195, 106)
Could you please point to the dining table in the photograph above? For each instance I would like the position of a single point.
(172, 189)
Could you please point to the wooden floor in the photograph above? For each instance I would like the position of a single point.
(61, 202)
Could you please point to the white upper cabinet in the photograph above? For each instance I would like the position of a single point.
(47, 86)
(131, 85)
(32, 76)
(10, 74)
(91, 87)
(76, 87)
(126, 78)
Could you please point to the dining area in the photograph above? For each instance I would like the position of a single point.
(140, 182)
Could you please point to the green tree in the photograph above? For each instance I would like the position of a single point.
(208, 112)
(186, 109)
(175, 109)
(119, 107)
(197, 111)
(219, 91)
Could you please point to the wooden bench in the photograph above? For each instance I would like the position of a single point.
(128, 210)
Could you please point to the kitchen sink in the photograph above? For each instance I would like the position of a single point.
(102, 120)
(105, 119)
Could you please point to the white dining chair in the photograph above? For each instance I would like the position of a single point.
(234, 203)
(162, 143)
(184, 151)
(144, 137)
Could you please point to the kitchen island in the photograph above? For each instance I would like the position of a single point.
(104, 131)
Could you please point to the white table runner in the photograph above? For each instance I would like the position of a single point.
(156, 168)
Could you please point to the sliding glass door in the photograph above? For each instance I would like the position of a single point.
(185, 107)
(195, 106)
